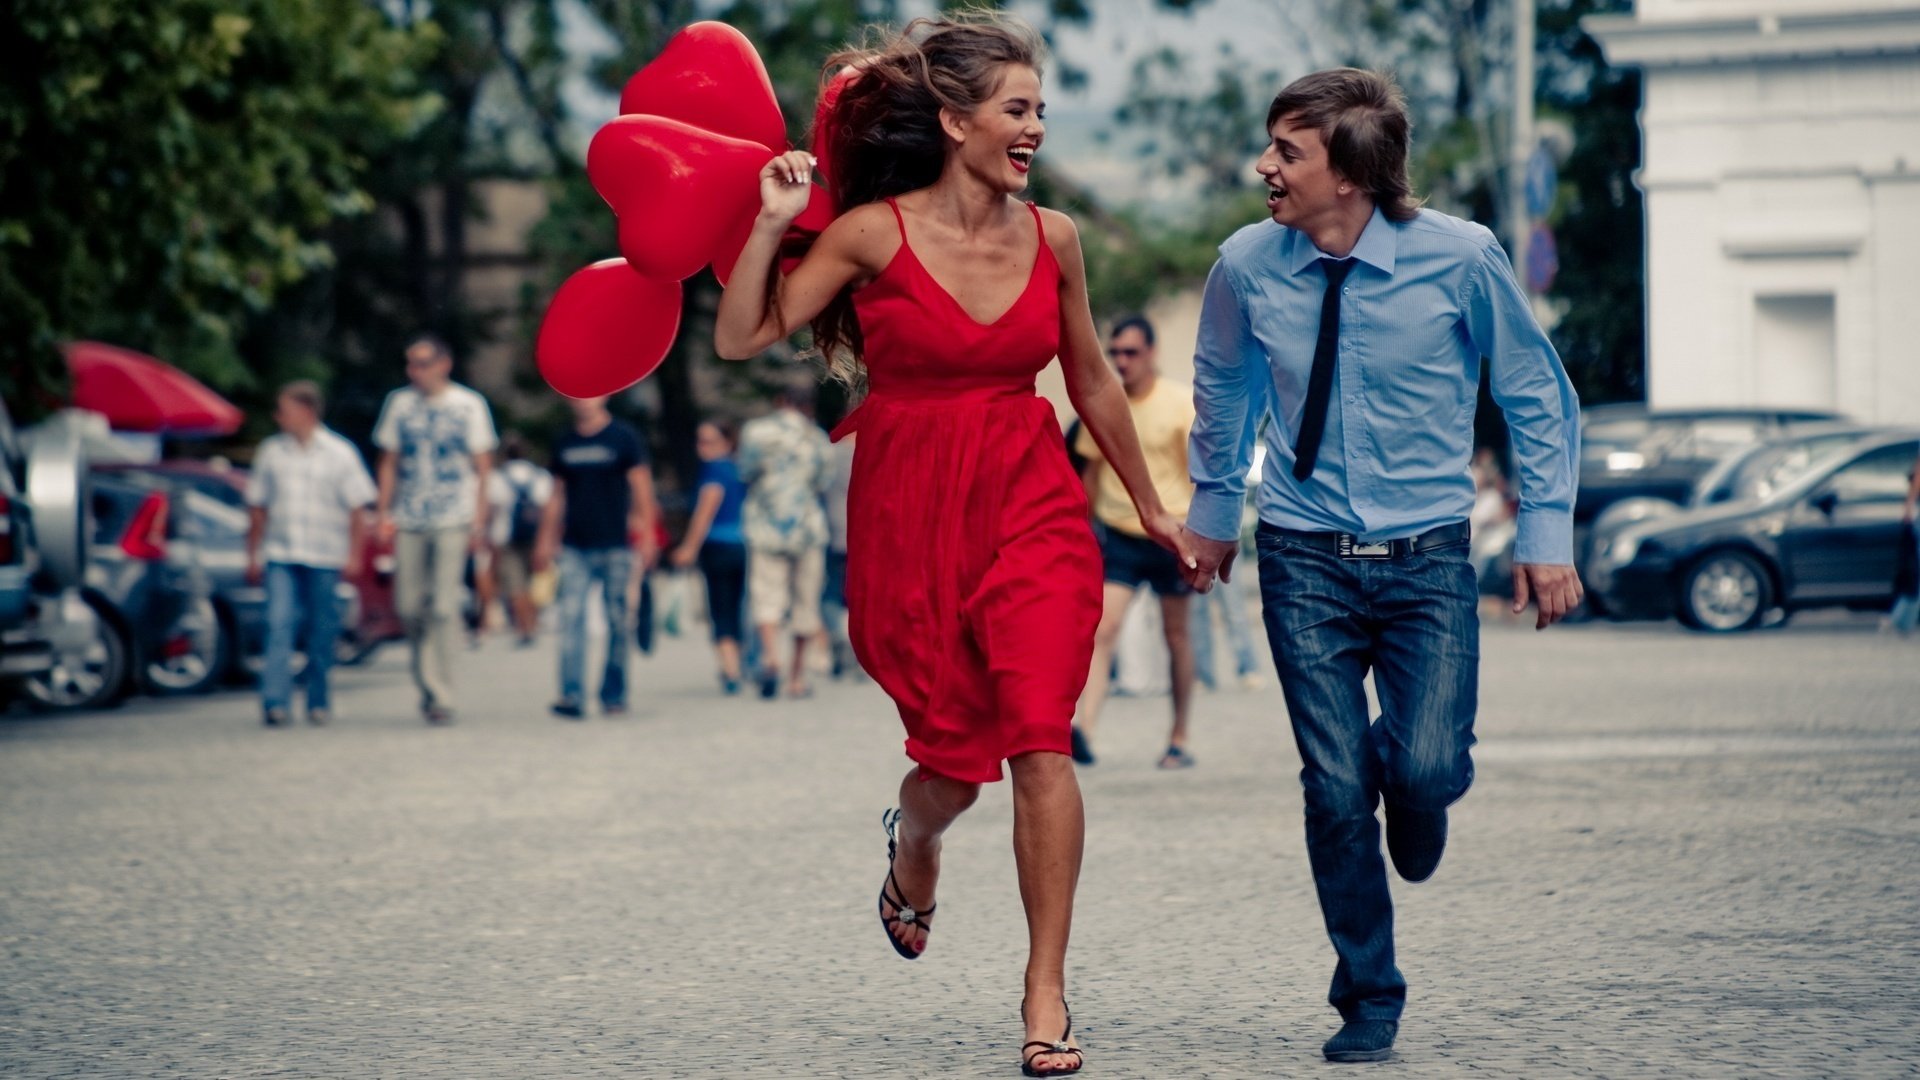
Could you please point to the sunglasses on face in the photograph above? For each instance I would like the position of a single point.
(1128, 351)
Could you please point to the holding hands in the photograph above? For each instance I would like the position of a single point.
(1212, 559)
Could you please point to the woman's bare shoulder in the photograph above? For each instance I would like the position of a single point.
(866, 234)
(1063, 235)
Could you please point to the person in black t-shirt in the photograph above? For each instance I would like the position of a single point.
(599, 520)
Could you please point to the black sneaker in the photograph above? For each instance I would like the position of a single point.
(1362, 1040)
(1082, 752)
(568, 708)
(1415, 840)
(769, 681)
(277, 718)
(729, 685)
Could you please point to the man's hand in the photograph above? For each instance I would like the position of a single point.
(384, 529)
(1212, 559)
(684, 556)
(256, 570)
(1555, 590)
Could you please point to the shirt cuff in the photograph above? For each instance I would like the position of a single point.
(1215, 515)
(1545, 537)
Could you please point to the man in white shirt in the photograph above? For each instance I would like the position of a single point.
(436, 440)
(308, 492)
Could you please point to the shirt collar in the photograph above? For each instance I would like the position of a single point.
(1375, 247)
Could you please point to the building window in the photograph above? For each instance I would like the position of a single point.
(1794, 351)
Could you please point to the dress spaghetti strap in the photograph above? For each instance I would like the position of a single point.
(1038, 227)
(900, 220)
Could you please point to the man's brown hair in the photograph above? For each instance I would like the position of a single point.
(1362, 117)
(305, 392)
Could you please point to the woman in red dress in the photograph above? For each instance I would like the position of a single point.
(973, 580)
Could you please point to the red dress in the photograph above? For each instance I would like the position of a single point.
(973, 580)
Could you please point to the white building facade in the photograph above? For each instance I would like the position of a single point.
(1781, 170)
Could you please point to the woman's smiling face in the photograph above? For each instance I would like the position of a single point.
(998, 142)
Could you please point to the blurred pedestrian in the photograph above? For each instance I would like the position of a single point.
(786, 462)
(308, 494)
(1366, 492)
(969, 569)
(599, 521)
(1162, 412)
(716, 541)
(436, 440)
(520, 493)
(834, 604)
(1233, 603)
(1906, 584)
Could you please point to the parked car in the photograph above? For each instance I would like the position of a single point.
(1826, 537)
(1628, 451)
(24, 649)
(1762, 469)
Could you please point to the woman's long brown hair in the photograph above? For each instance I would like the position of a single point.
(886, 139)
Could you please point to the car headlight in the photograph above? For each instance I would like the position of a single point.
(1622, 548)
(1625, 461)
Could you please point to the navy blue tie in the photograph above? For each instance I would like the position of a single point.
(1313, 420)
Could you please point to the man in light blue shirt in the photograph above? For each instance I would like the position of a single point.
(1359, 322)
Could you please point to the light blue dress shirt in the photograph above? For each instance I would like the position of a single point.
(1426, 301)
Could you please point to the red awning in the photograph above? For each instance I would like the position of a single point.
(135, 392)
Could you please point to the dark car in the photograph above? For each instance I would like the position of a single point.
(1637, 463)
(1628, 451)
(24, 649)
(1762, 469)
(1827, 537)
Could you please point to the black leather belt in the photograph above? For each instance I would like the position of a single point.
(1349, 546)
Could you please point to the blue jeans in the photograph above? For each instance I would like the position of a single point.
(579, 570)
(1229, 598)
(1906, 609)
(300, 602)
(1412, 622)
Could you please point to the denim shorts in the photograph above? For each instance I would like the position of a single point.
(1134, 561)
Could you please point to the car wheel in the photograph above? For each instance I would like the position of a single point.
(192, 652)
(1725, 591)
(90, 660)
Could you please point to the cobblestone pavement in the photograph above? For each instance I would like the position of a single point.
(1684, 856)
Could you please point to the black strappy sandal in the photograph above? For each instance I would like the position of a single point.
(1058, 1046)
(903, 912)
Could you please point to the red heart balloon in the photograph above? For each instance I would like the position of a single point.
(678, 191)
(606, 329)
(821, 209)
(796, 235)
(710, 76)
(820, 212)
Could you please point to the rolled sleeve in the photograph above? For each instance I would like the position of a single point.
(1543, 413)
(1230, 389)
(260, 479)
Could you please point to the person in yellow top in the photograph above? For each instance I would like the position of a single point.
(1163, 416)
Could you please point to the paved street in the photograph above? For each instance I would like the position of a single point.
(1684, 856)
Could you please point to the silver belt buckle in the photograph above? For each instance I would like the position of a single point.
(1351, 547)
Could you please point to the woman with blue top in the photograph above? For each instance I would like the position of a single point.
(715, 541)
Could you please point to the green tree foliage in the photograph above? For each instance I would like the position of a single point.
(168, 167)
(1599, 219)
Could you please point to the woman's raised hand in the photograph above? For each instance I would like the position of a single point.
(785, 186)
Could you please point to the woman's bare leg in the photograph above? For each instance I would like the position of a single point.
(1049, 833)
(927, 807)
